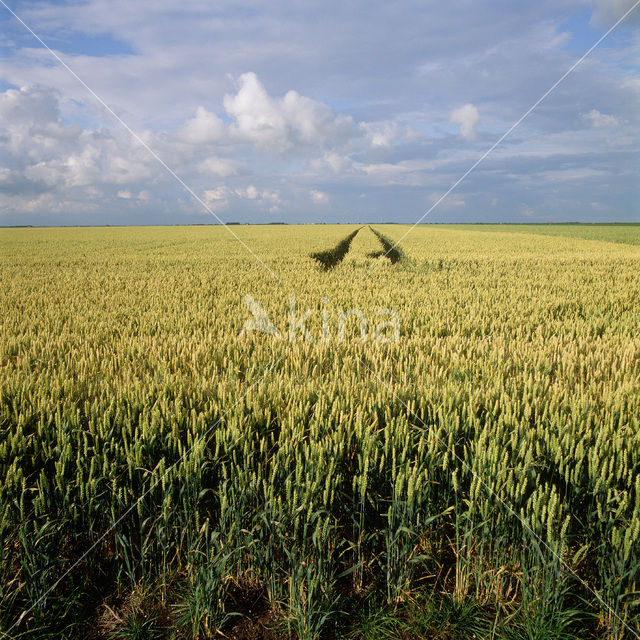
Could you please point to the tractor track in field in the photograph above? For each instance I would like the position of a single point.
(333, 257)
(389, 250)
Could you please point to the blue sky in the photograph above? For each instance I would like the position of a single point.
(311, 112)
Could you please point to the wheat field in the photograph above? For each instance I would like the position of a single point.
(447, 444)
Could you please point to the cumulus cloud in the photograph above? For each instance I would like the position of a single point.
(466, 117)
(203, 128)
(279, 124)
(47, 162)
(36, 104)
(600, 120)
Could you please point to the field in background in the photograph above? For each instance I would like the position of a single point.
(618, 232)
(479, 475)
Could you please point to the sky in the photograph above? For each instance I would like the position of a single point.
(311, 111)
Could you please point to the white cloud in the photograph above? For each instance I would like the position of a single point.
(35, 104)
(271, 196)
(126, 194)
(311, 121)
(380, 134)
(258, 118)
(44, 173)
(253, 193)
(336, 162)
(386, 168)
(205, 127)
(251, 197)
(105, 161)
(280, 124)
(217, 167)
(250, 192)
(600, 120)
(467, 118)
(41, 155)
(319, 197)
(216, 198)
